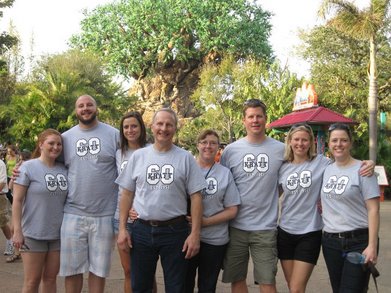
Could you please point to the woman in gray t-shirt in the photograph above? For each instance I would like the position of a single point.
(300, 223)
(40, 191)
(350, 205)
(133, 135)
(220, 201)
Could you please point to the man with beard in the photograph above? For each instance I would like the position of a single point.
(86, 232)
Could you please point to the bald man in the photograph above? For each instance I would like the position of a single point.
(86, 232)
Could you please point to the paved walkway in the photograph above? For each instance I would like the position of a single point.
(11, 275)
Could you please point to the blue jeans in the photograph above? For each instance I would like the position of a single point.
(151, 242)
(209, 262)
(345, 277)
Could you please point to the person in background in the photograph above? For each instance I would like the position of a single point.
(5, 208)
(156, 182)
(350, 204)
(220, 201)
(11, 159)
(24, 155)
(300, 223)
(39, 196)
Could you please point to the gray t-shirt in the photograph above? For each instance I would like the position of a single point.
(255, 171)
(43, 206)
(344, 193)
(301, 184)
(161, 181)
(89, 155)
(121, 160)
(220, 193)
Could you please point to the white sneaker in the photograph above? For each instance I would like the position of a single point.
(9, 248)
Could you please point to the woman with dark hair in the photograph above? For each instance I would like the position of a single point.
(37, 212)
(133, 136)
(350, 205)
(220, 204)
(300, 224)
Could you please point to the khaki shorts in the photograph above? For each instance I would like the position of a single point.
(5, 210)
(263, 248)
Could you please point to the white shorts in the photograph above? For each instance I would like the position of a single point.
(86, 245)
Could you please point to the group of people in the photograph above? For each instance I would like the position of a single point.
(196, 215)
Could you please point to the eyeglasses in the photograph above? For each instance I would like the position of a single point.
(205, 143)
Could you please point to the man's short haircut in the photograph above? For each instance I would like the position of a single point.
(254, 103)
(168, 110)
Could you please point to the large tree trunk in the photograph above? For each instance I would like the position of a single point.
(372, 102)
(172, 86)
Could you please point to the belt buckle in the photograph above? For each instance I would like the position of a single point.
(154, 223)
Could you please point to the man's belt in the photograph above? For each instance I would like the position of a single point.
(154, 223)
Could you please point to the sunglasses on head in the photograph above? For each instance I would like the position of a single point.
(305, 125)
(254, 103)
(339, 126)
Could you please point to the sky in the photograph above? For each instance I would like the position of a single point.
(52, 22)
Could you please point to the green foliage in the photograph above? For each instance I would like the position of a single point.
(137, 37)
(224, 88)
(47, 99)
(339, 71)
(6, 40)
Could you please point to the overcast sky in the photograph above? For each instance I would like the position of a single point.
(52, 22)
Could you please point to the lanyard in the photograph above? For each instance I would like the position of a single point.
(206, 176)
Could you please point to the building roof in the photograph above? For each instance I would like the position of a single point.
(313, 116)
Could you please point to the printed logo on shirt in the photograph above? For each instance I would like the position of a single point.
(259, 163)
(294, 180)
(55, 182)
(211, 188)
(163, 174)
(88, 147)
(123, 165)
(336, 185)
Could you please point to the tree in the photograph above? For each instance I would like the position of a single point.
(338, 69)
(162, 43)
(7, 41)
(362, 24)
(223, 89)
(47, 100)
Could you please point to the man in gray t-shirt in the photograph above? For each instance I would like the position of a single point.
(157, 182)
(86, 231)
(254, 162)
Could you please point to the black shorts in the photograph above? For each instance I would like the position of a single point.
(302, 247)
